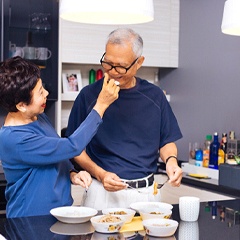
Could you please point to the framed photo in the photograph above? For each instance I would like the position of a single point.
(71, 81)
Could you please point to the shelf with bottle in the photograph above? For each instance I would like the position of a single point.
(148, 73)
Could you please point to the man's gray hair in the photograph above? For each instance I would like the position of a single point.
(122, 36)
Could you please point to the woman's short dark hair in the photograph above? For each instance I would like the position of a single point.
(18, 77)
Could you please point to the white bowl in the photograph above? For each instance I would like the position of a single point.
(150, 213)
(126, 214)
(160, 227)
(106, 227)
(71, 214)
(138, 206)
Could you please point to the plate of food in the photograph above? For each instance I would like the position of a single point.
(73, 214)
(160, 227)
(107, 223)
(126, 214)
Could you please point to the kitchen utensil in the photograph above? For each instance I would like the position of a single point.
(84, 196)
(160, 185)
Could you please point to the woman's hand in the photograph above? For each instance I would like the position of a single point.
(108, 95)
(82, 178)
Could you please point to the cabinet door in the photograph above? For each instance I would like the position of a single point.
(35, 23)
(85, 43)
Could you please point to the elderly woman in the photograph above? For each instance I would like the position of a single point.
(34, 158)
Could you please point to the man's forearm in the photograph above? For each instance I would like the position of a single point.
(87, 164)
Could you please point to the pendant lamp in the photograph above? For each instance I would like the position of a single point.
(231, 17)
(107, 11)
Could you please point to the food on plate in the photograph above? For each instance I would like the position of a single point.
(118, 213)
(109, 218)
(156, 213)
(161, 225)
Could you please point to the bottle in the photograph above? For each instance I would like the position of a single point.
(224, 145)
(99, 74)
(221, 156)
(199, 157)
(206, 150)
(92, 76)
(222, 149)
(213, 156)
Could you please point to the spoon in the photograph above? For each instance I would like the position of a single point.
(160, 185)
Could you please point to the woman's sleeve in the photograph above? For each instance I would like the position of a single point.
(38, 149)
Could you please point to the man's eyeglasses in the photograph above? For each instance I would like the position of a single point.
(122, 70)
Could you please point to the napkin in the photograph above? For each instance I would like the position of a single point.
(134, 225)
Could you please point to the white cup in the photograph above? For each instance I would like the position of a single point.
(189, 208)
(188, 231)
(43, 53)
(19, 52)
(30, 53)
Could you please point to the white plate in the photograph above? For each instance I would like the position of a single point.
(72, 229)
(73, 214)
(145, 205)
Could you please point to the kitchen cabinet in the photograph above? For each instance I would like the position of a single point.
(82, 45)
(33, 23)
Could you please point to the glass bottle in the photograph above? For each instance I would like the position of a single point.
(206, 150)
(213, 156)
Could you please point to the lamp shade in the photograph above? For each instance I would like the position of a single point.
(107, 11)
(231, 17)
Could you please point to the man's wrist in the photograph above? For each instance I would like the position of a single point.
(170, 157)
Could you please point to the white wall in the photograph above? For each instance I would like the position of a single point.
(205, 89)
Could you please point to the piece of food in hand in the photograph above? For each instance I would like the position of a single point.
(117, 83)
(155, 190)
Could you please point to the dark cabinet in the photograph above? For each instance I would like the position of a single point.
(29, 28)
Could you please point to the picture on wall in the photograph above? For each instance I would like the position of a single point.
(72, 81)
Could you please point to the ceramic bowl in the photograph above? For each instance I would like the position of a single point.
(107, 226)
(138, 206)
(73, 214)
(160, 227)
(126, 214)
(150, 213)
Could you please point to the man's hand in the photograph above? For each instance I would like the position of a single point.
(111, 182)
(174, 172)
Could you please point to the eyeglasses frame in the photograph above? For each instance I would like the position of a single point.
(126, 68)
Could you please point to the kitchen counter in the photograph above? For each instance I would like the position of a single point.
(206, 184)
(217, 220)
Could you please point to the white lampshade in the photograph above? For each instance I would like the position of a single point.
(107, 11)
(231, 17)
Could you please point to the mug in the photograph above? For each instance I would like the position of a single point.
(43, 53)
(30, 53)
(19, 52)
(189, 208)
(12, 49)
